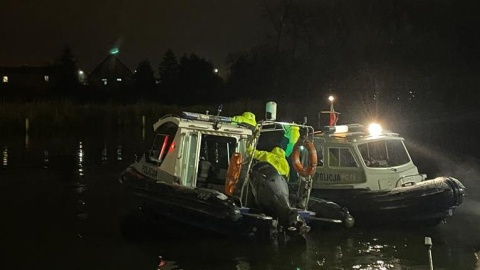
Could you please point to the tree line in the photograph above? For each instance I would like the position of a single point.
(375, 55)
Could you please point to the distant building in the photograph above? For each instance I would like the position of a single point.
(111, 79)
(112, 76)
(26, 82)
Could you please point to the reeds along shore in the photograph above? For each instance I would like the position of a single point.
(44, 117)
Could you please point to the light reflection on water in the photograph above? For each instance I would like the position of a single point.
(119, 153)
(27, 140)
(64, 193)
(104, 154)
(80, 159)
(5, 157)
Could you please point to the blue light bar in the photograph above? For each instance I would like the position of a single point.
(206, 117)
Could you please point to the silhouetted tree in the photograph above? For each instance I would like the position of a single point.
(169, 77)
(67, 84)
(145, 81)
(252, 73)
(390, 57)
(198, 81)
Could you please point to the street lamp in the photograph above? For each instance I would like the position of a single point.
(332, 120)
(331, 98)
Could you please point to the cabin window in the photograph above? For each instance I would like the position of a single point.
(215, 154)
(162, 143)
(319, 149)
(341, 157)
(46, 78)
(190, 146)
(386, 153)
(5, 79)
(160, 148)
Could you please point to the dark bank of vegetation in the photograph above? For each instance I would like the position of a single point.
(410, 64)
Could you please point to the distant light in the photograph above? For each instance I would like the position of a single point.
(375, 129)
(331, 98)
(80, 72)
(215, 70)
(114, 51)
(119, 79)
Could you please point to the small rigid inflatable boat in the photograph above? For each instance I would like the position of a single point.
(200, 171)
(372, 174)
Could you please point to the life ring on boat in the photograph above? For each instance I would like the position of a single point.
(312, 158)
(233, 173)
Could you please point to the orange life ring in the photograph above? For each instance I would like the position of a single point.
(312, 158)
(233, 173)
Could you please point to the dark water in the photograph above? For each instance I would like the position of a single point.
(60, 205)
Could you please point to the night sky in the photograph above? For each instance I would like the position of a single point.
(35, 32)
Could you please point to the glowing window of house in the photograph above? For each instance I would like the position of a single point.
(119, 79)
(47, 78)
(5, 79)
(105, 81)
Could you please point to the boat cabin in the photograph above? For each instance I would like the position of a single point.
(350, 156)
(194, 150)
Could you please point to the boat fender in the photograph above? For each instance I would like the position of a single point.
(312, 158)
(233, 173)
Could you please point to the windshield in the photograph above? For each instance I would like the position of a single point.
(386, 153)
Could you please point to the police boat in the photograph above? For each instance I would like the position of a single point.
(370, 171)
(199, 171)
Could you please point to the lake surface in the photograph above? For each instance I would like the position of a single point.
(61, 208)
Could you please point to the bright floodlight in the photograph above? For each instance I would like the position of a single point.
(331, 98)
(375, 129)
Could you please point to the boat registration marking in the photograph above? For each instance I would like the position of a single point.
(334, 177)
(149, 171)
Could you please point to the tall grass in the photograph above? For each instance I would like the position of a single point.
(54, 116)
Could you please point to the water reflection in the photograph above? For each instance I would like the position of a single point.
(242, 264)
(119, 153)
(5, 157)
(46, 159)
(80, 180)
(382, 248)
(27, 141)
(104, 154)
(80, 189)
(80, 159)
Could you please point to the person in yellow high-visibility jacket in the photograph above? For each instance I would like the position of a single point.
(276, 158)
(247, 119)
